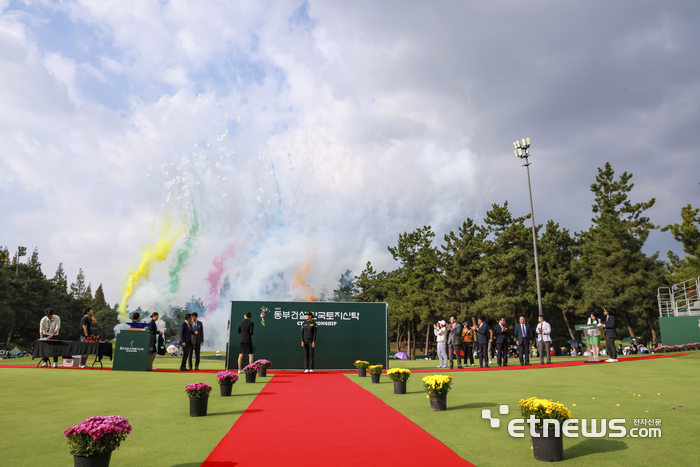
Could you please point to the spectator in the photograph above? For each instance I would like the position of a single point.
(48, 328)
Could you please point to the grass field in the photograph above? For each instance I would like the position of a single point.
(40, 404)
(588, 391)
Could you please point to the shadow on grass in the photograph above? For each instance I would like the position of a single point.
(473, 405)
(235, 412)
(594, 446)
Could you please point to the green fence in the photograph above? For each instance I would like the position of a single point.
(679, 330)
(346, 332)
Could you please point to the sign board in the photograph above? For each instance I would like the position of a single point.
(584, 327)
(131, 352)
(346, 332)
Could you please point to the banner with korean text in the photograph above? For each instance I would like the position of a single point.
(346, 332)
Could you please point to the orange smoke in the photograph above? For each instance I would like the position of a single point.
(299, 282)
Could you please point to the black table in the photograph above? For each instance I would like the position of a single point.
(57, 348)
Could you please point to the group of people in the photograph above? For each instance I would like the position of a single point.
(191, 335)
(309, 329)
(453, 338)
(50, 325)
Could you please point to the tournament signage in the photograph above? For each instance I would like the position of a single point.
(346, 332)
(131, 352)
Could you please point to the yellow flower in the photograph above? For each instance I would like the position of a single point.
(618, 405)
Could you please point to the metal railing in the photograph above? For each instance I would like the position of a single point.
(681, 299)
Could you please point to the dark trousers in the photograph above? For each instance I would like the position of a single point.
(524, 352)
(544, 348)
(196, 351)
(186, 355)
(308, 356)
(484, 354)
(502, 353)
(468, 352)
(456, 348)
(46, 359)
(610, 347)
(83, 358)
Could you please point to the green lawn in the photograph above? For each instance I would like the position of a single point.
(589, 391)
(39, 405)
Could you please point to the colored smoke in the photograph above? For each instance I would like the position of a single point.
(299, 282)
(184, 255)
(151, 254)
(214, 277)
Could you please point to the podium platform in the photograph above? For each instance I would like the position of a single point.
(134, 351)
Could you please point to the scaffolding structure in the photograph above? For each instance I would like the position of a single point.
(680, 299)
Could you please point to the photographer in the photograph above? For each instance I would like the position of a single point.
(441, 337)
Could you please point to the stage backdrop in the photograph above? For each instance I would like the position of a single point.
(346, 332)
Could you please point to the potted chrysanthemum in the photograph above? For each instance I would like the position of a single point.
(264, 365)
(375, 371)
(399, 376)
(251, 371)
(198, 394)
(361, 366)
(549, 446)
(226, 379)
(436, 389)
(93, 440)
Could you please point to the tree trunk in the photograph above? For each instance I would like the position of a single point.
(398, 338)
(427, 339)
(627, 322)
(568, 326)
(650, 319)
(408, 341)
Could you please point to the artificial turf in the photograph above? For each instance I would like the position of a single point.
(40, 404)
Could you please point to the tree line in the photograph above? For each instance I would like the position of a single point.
(487, 269)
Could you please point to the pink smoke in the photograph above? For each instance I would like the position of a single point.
(214, 276)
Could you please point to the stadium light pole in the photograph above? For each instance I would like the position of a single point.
(522, 150)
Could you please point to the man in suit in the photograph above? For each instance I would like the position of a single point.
(502, 344)
(484, 336)
(522, 340)
(544, 339)
(185, 334)
(610, 335)
(197, 329)
(454, 341)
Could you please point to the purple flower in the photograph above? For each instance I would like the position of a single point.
(227, 377)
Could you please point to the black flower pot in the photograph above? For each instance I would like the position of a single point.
(439, 402)
(99, 460)
(362, 372)
(226, 389)
(250, 377)
(399, 387)
(548, 448)
(198, 406)
(375, 379)
(263, 372)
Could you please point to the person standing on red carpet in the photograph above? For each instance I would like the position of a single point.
(484, 335)
(502, 343)
(308, 341)
(544, 339)
(245, 329)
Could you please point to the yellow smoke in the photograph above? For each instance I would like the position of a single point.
(150, 255)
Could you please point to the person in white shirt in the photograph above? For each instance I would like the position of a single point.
(48, 328)
(544, 339)
(441, 337)
(594, 337)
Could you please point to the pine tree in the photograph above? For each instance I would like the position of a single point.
(77, 288)
(60, 277)
(88, 293)
(347, 287)
(688, 234)
(507, 283)
(613, 270)
(99, 302)
(34, 260)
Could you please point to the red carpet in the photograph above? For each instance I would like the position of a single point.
(324, 419)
